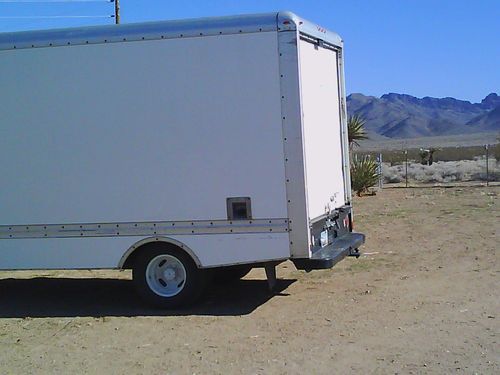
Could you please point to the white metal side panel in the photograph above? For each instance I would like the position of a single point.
(86, 253)
(225, 249)
(63, 253)
(322, 128)
(138, 131)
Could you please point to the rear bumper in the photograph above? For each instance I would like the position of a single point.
(328, 256)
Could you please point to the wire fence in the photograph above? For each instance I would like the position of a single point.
(479, 165)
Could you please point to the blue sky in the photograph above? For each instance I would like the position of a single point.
(419, 47)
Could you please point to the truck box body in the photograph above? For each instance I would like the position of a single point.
(116, 136)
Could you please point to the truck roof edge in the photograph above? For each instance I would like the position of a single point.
(276, 21)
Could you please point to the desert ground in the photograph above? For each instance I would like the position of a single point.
(424, 298)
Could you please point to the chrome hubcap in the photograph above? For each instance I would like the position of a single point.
(166, 275)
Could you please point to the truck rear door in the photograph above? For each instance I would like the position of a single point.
(322, 127)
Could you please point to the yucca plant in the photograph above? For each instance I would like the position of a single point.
(424, 154)
(427, 156)
(364, 174)
(356, 130)
(432, 150)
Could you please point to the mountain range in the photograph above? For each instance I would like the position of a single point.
(405, 116)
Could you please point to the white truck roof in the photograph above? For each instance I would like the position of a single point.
(277, 21)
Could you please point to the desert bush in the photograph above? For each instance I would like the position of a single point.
(443, 172)
(393, 174)
(364, 174)
(395, 157)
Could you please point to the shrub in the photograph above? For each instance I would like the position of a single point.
(393, 174)
(364, 174)
(356, 130)
(443, 172)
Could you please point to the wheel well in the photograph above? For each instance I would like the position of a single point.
(134, 254)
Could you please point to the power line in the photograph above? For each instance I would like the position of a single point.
(56, 1)
(116, 2)
(41, 17)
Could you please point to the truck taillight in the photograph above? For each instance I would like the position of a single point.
(351, 223)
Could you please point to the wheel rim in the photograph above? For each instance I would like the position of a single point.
(166, 275)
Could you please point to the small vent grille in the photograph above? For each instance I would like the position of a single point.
(239, 208)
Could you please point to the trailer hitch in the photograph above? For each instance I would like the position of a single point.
(354, 253)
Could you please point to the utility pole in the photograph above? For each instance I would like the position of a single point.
(117, 12)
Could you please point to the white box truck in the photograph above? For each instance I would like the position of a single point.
(171, 148)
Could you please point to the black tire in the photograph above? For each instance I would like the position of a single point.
(192, 286)
(231, 273)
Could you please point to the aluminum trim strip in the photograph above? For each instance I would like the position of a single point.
(150, 228)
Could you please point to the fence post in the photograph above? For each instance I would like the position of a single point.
(487, 167)
(379, 171)
(406, 167)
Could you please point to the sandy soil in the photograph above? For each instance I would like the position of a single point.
(423, 299)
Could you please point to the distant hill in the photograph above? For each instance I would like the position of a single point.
(405, 116)
(488, 121)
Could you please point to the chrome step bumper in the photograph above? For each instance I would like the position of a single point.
(326, 257)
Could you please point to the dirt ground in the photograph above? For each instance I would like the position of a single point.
(424, 298)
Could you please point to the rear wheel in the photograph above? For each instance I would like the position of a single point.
(167, 277)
